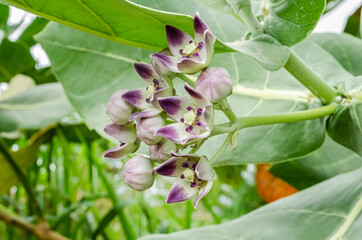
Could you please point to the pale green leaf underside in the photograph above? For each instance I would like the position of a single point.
(330, 210)
(34, 108)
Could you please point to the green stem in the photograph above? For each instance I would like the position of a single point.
(221, 129)
(228, 111)
(21, 176)
(186, 79)
(244, 122)
(222, 149)
(310, 79)
(249, 19)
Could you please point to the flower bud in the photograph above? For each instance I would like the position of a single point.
(118, 109)
(215, 83)
(162, 151)
(146, 128)
(138, 173)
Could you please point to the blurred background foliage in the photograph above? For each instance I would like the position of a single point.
(81, 195)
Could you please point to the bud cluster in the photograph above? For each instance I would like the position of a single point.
(167, 122)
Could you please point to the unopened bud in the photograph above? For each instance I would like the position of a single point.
(138, 173)
(146, 128)
(215, 83)
(118, 109)
(162, 151)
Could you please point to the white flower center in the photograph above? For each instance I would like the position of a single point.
(150, 90)
(190, 118)
(189, 175)
(190, 49)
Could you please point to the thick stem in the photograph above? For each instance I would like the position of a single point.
(310, 79)
(21, 176)
(249, 19)
(42, 231)
(244, 122)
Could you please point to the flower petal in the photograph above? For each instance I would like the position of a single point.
(151, 112)
(209, 42)
(175, 132)
(176, 39)
(200, 27)
(197, 98)
(136, 98)
(205, 188)
(191, 65)
(147, 72)
(172, 167)
(123, 133)
(181, 191)
(203, 170)
(120, 151)
(161, 68)
(168, 62)
(175, 107)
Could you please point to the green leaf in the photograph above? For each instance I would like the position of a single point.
(329, 210)
(34, 27)
(14, 59)
(4, 15)
(328, 161)
(265, 49)
(353, 23)
(24, 157)
(120, 21)
(346, 49)
(291, 21)
(34, 108)
(345, 127)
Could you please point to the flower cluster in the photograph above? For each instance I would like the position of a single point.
(167, 122)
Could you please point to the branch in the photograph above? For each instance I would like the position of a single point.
(42, 230)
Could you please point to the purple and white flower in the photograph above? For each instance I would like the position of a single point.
(194, 177)
(118, 109)
(146, 128)
(138, 173)
(215, 83)
(162, 151)
(189, 55)
(126, 135)
(145, 99)
(194, 117)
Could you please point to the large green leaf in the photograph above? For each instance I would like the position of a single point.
(345, 127)
(346, 49)
(330, 210)
(4, 15)
(328, 161)
(34, 108)
(291, 21)
(24, 157)
(121, 21)
(265, 49)
(14, 59)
